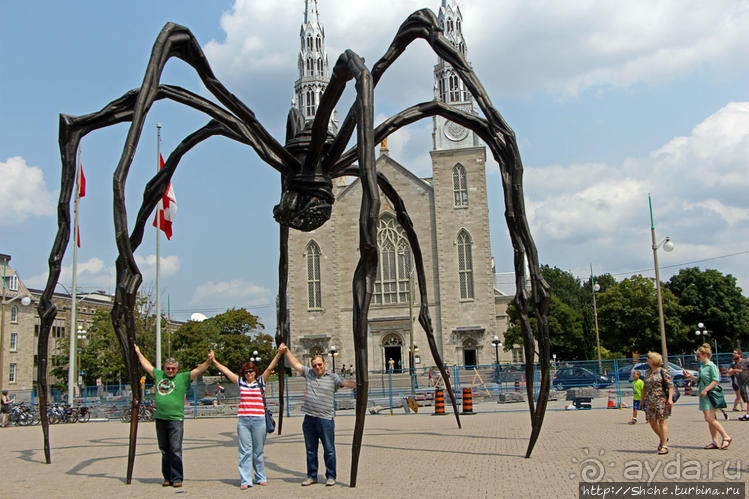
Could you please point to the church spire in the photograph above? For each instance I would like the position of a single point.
(448, 87)
(313, 66)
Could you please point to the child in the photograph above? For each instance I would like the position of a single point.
(637, 402)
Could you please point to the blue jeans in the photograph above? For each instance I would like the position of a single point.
(251, 434)
(169, 435)
(324, 430)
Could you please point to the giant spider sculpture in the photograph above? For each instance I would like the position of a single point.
(307, 163)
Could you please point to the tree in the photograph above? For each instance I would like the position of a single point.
(628, 317)
(566, 333)
(714, 299)
(233, 335)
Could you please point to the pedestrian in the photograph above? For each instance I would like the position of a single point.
(317, 407)
(171, 388)
(658, 394)
(5, 407)
(343, 370)
(709, 379)
(739, 372)
(251, 418)
(637, 403)
(391, 364)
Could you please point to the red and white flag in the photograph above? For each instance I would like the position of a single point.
(166, 210)
(81, 185)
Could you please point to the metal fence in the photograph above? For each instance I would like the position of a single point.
(389, 391)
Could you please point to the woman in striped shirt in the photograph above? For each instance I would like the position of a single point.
(251, 423)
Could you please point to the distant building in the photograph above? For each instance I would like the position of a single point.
(451, 217)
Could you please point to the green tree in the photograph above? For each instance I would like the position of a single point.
(628, 317)
(566, 332)
(233, 335)
(714, 299)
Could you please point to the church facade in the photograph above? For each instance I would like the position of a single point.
(451, 218)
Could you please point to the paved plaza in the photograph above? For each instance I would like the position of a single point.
(403, 455)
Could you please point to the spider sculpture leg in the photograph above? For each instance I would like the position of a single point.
(502, 143)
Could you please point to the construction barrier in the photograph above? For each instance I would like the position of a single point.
(439, 402)
(723, 372)
(467, 402)
(517, 385)
(688, 388)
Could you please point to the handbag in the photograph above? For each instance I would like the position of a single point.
(270, 423)
(717, 400)
(664, 385)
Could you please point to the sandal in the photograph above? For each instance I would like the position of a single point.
(711, 445)
(663, 450)
(726, 443)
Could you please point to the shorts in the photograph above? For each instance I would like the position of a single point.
(744, 390)
(638, 405)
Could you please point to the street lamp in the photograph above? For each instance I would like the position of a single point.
(497, 344)
(333, 355)
(667, 246)
(595, 288)
(702, 333)
(255, 357)
(80, 336)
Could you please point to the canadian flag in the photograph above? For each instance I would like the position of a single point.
(81, 183)
(166, 210)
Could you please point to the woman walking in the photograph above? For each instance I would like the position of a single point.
(251, 423)
(708, 378)
(658, 394)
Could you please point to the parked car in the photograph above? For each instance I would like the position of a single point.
(675, 370)
(570, 377)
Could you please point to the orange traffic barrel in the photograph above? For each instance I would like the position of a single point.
(723, 372)
(688, 387)
(517, 385)
(467, 402)
(439, 402)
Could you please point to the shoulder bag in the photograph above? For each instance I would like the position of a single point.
(716, 397)
(664, 384)
(270, 423)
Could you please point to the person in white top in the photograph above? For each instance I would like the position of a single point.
(251, 422)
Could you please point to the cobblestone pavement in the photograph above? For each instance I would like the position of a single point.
(403, 455)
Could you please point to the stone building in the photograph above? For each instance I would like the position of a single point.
(451, 217)
(20, 326)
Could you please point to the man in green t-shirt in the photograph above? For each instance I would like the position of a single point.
(171, 388)
(637, 402)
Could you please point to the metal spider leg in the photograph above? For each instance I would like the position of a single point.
(282, 317)
(424, 318)
(350, 65)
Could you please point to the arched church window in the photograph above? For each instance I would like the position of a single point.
(309, 42)
(460, 185)
(457, 25)
(465, 265)
(314, 283)
(318, 43)
(394, 265)
(319, 67)
(310, 104)
(454, 88)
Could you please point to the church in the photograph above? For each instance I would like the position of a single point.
(451, 217)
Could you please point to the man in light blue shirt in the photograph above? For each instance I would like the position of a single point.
(319, 424)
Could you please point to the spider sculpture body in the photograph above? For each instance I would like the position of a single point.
(309, 160)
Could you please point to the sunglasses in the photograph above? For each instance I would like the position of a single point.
(317, 365)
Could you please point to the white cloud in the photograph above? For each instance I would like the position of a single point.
(93, 274)
(23, 192)
(561, 48)
(236, 291)
(169, 265)
(598, 212)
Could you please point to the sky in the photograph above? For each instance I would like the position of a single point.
(609, 101)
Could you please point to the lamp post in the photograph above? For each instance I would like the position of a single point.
(497, 344)
(412, 359)
(255, 357)
(702, 333)
(595, 288)
(667, 246)
(333, 354)
(81, 335)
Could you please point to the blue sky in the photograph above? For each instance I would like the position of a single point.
(609, 101)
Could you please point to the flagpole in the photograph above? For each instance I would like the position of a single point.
(158, 255)
(74, 297)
